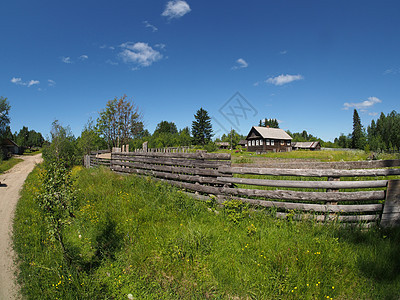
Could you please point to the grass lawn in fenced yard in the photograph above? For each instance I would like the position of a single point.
(240, 157)
(133, 236)
(8, 164)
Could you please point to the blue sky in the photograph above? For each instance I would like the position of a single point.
(306, 63)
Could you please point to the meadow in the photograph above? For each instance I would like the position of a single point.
(8, 164)
(135, 238)
(243, 156)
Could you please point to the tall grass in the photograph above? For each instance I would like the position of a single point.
(134, 238)
(318, 156)
(8, 164)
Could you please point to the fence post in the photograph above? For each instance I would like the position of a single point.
(391, 208)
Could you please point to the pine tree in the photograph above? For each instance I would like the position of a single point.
(271, 123)
(201, 128)
(358, 138)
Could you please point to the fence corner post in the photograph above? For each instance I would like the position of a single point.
(391, 208)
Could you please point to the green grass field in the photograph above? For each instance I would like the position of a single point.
(134, 238)
(8, 164)
(317, 156)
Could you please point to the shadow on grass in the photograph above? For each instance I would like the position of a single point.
(379, 258)
(108, 241)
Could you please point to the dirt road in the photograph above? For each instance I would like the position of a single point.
(11, 183)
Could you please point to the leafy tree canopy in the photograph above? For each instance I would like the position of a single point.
(4, 115)
(119, 122)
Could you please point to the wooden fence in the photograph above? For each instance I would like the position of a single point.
(346, 191)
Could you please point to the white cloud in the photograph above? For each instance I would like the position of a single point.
(393, 71)
(160, 46)
(151, 26)
(241, 63)
(83, 57)
(283, 52)
(283, 79)
(176, 9)
(362, 105)
(110, 62)
(256, 83)
(51, 82)
(33, 82)
(139, 53)
(17, 80)
(66, 60)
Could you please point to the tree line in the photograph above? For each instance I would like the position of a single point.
(382, 134)
(26, 139)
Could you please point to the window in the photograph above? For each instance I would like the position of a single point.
(272, 142)
(267, 142)
(253, 142)
(257, 142)
(288, 143)
(282, 142)
(261, 142)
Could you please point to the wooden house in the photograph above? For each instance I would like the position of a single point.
(306, 146)
(265, 139)
(9, 147)
(242, 143)
(222, 145)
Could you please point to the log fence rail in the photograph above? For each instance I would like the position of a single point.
(350, 192)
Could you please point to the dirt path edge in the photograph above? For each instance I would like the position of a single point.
(11, 184)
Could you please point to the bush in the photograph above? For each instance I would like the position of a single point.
(211, 147)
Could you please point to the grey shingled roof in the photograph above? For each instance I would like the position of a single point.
(272, 133)
(305, 144)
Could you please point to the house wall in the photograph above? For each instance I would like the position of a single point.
(268, 145)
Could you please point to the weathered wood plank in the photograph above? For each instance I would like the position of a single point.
(179, 177)
(170, 169)
(196, 155)
(306, 196)
(307, 184)
(323, 218)
(309, 172)
(371, 164)
(174, 161)
(391, 210)
(365, 208)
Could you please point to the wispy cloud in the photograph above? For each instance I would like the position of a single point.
(18, 81)
(284, 79)
(140, 54)
(392, 71)
(151, 26)
(363, 105)
(160, 46)
(240, 64)
(110, 62)
(51, 82)
(176, 9)
(105, 46)
(66, 60)
(33, 82)
(283, 52)
(83, 57)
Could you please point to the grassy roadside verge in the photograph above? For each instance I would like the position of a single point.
(135, 237)
(8, 164)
